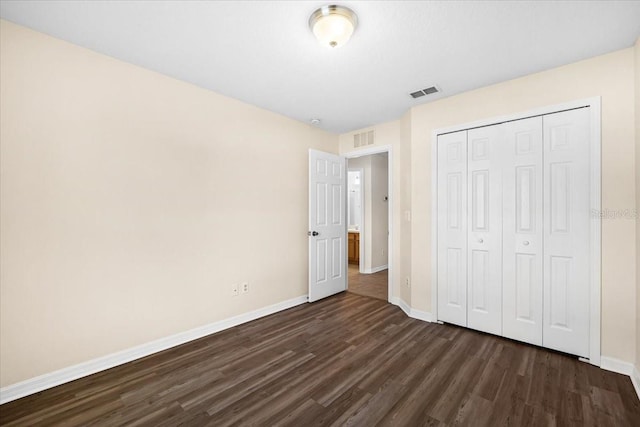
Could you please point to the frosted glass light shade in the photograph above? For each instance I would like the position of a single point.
(333, 25)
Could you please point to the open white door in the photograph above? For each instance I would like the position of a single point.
(327, 225)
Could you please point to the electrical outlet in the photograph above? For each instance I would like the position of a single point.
(407, 282)
(244, 287)
(235, 291)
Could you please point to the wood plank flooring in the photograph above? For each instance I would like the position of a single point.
(374, 285)
(345, 360)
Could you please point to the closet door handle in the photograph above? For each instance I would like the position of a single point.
(526, 243)
(480, 240)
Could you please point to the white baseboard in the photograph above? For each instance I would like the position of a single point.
(635, 379)
(411, 312)
(622, 367)
(421, 315)
(52, 379)
(616, 365)
(400, 303)
(374, 269)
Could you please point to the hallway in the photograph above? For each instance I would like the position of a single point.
(369, 285)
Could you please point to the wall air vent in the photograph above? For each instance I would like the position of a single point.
(423, 92)
(362, 139)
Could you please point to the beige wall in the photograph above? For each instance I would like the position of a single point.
(403, 174)
(637, 111)
(611, 77)
(131, 202)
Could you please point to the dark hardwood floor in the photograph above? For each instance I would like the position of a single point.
(374, 285)
(345, 360)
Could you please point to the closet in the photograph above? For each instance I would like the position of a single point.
(513, 229)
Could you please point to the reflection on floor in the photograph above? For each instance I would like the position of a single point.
(369, 285)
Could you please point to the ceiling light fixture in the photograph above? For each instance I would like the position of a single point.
(333, 25)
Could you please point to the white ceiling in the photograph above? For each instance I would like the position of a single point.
(263, 53)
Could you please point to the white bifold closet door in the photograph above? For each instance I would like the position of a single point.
(522, 230)
(514, 230)
(566, 231)
(484, 237)
(452, 228)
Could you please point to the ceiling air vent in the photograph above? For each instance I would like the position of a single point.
(362, 139)
(423, 92)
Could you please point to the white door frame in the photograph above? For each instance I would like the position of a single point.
(595, 206)
(366, 152)
(362, 223)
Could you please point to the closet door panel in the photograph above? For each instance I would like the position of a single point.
(452, 228)
(522, 230)
(484, 274)
(567, 231)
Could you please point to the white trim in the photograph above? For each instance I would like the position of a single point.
(375, 269)
(595, 204)
(425, 316)
(616, 365)
(635, 380)
(361, 152)
(377, 150)
(595, 243)
(412, 312)
(434, 224)
(402, 304)
(586, 102)
(55, 378)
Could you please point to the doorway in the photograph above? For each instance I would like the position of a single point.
(368, 215)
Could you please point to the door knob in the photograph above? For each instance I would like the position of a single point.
(480, 240)
(526, 243)
(312, 233)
